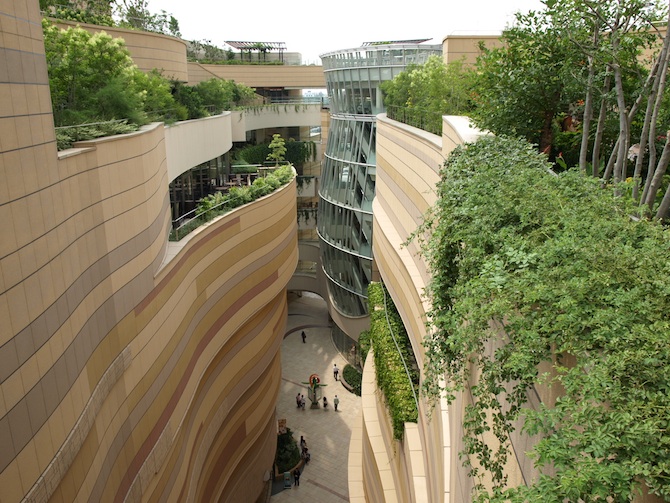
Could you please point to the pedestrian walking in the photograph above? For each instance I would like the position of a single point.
(325, 403)
(303, 443)
(304, 336)
(297, 400)
(336, 402)
(302, 402)
(336, 371)
(296, 477)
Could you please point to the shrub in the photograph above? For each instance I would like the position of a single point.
(215, 205)
(288, 454)
(353, 377)
(390, 364)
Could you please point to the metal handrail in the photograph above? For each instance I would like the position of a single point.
(420, 118)
(397, 346)
(196, 215)
(92, 124)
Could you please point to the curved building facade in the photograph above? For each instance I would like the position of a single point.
(131, 368)
(353, 79)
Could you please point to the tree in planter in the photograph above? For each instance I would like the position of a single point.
(135, 14)
(521, 88)
(277, 149)
(430, 90)
(80, 66)
(297, 152)
(223, 94)
(578, 65)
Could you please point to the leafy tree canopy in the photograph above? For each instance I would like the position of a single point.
(523, 86)
(91, 77)
(135, 14)
(423, 93)
(220, 94)
(277, 149)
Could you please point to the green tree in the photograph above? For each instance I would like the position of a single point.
(277, 149)
(158, 102)
(81, 66)
(297, 152)
(189, 98)
(429, 91)
(572, 80)
(220, 94)
(523, 87)
(135, 14)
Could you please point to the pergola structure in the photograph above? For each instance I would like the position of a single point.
(261, 47)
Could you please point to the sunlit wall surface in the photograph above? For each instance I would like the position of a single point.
(353, 77)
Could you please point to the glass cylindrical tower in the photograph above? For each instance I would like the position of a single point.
(353, 79)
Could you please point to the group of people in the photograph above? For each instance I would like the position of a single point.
(305, 455)
(304, 451)
(336, 402)
(300, 403)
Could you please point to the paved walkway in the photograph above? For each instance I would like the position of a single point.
(327, 432)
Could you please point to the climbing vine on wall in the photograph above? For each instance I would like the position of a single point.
(529, 267)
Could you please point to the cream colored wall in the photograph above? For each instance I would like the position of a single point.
(95, 251)
(408, 171)
(189, 143)
(284, 76)
(278, 115)
(408, 164)
(121, 374)
(149, 50)
(466, 47)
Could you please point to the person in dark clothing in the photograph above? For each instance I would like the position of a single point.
(304, 336)
(296, 477)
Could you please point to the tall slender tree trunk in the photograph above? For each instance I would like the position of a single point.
(662, 212)
(644, 136)
(624, 133)
(611, 161)
(588, 114)
(547, 133)
(588, 103)
(600, 128)
(660, 82)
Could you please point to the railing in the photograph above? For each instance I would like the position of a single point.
(191, 220)
(417, 117)
(182, 222)
(395, 341)
(323, 100)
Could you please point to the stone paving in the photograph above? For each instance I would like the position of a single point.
(326, 431)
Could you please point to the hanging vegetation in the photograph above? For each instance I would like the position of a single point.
(532, 268)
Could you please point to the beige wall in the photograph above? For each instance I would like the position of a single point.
(466, 47)
(408, 164)
(189, 143)
(122, 374)
(284, 76)
(149, 50)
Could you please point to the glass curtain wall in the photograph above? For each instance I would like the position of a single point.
(347, 188)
